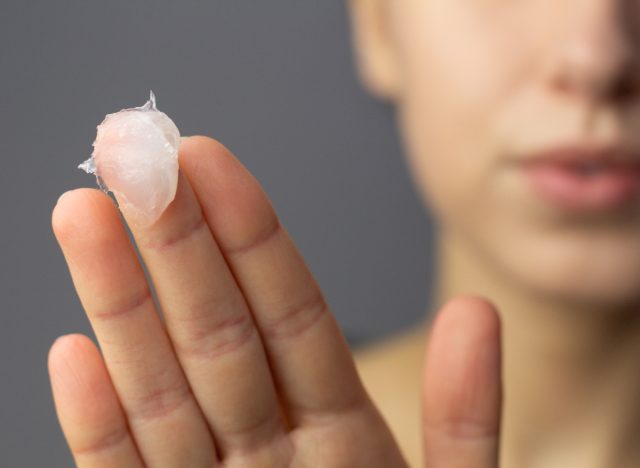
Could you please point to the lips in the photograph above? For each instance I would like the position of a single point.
(585, 178)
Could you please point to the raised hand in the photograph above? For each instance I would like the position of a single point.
(249, 368)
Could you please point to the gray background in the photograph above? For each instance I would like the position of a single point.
(275, 82)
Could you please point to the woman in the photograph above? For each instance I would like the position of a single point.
(518, 120)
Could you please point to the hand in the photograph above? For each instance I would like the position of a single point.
(248, 368)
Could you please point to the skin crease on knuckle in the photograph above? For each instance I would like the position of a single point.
(481, 89)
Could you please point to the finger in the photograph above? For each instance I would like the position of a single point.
(88, 408)
(163, 416)
(211, 328)
(309, 358)
(462, 389)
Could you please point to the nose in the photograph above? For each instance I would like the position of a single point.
(597, 57)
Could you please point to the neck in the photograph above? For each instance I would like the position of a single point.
(571, 373)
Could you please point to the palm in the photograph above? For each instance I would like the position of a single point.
(249, 367)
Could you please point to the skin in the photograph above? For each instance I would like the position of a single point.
(477, 87)
(233, 376)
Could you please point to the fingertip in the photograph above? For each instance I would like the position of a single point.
(62, 196)
(202, 144)
(87, 404)
(71, 343)
(471, 312)
(203, 153)
(462, 376)
(78, 210)
(67, 364)
(65, 349)
(78, 376)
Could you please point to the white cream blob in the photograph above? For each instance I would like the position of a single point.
(135, 156)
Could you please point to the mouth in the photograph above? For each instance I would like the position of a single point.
(585, 178)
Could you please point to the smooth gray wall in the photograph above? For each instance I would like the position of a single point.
(272, 80)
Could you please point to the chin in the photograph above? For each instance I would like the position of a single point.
(584, 271)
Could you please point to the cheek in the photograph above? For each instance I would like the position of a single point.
(445, 121)
(461, 66)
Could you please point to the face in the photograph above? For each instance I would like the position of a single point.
(485, 90)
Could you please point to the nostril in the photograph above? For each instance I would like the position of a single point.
(626, 87)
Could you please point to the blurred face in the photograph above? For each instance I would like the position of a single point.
(522, 128)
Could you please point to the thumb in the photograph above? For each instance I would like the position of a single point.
(462, 389)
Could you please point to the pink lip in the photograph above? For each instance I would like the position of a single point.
(555, 177)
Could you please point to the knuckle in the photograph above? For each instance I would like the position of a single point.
(461, 428)
(294, 321)
(207, 340)
(123, 308)
(184, 234)
(159, 402)
(252, 433)
(104, 443)
(261, 233)
(278, 452)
